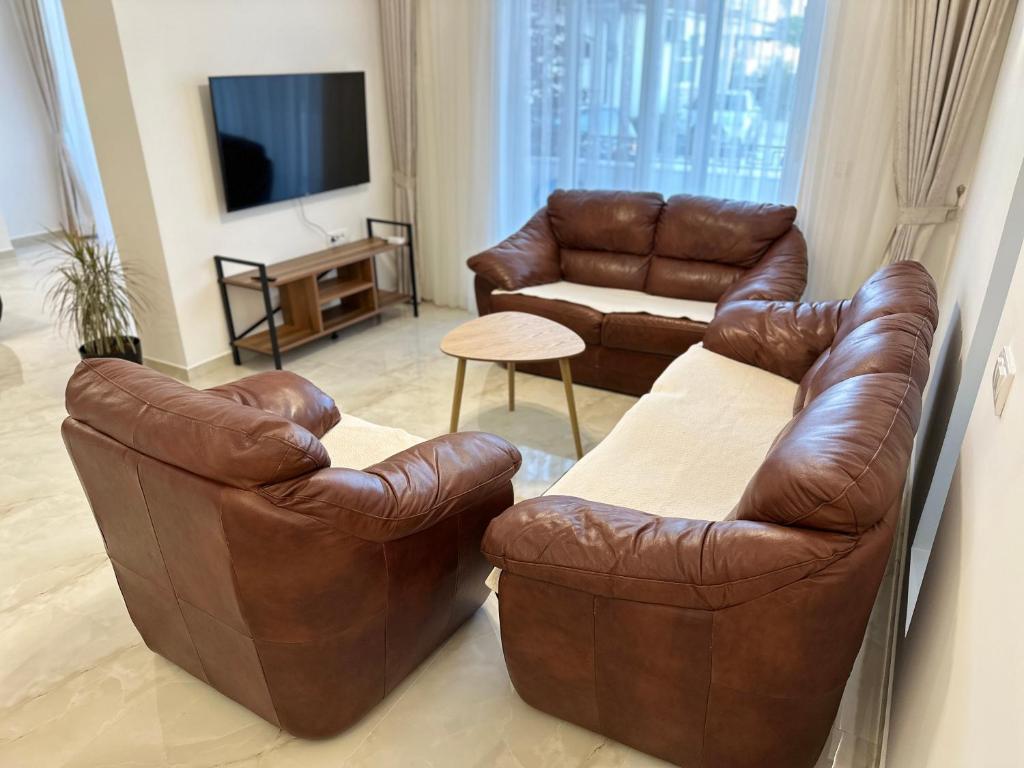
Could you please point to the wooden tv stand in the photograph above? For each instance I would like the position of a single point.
(320, 293)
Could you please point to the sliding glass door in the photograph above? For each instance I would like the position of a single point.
(700, 96)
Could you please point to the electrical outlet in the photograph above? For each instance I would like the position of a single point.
(1003, 374)
(338, 236)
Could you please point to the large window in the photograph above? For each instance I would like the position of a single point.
(700, 96)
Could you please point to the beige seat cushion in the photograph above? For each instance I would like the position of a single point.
(689, 447)
(358, 444)
(609, 300)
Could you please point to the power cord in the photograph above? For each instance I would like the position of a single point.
(313, 224)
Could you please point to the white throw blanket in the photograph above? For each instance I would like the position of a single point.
(609, 300)
(689, 448)
(358, 444)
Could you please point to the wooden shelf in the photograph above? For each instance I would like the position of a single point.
(336, 318)
(318, 294)
(384, 298)
(335, 288)
(290, 337)
(314, 263)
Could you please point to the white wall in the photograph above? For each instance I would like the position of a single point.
(169, 49)
(96, 44)
(5, 237)
(959, 687)
(28, 171)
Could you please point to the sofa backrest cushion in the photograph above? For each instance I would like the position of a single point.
(721, 231)
(840, 463)
(888, 344)
(685, 279)
(200, 432)
(897, 289)
(597, 220)
(902, 287)
(607, 269)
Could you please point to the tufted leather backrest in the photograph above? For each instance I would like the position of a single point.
(898, 289)
(720, 231)
(204, 433)
(690, 247)
(599, 220)
(841, 462)
(605, 237)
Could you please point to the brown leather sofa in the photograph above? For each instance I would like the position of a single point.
(728, 643)
(304, 593)
(687, 247)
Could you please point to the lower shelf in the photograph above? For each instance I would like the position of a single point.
(340, 317)
(384, 298)
(290, 336)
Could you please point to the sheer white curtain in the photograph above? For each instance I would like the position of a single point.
(700, 96)
(847, 194)
(46, 40)
(76, 123)
(455, 135)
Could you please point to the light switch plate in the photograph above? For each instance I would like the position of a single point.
(1003, 373)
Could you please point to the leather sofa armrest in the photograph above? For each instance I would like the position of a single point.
(626, 554)
(409, 492)
(783, 337)
(527, 257)
(780, 275)
(285, 394)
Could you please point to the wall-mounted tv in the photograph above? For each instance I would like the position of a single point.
(287, 136)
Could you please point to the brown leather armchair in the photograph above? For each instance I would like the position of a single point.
(304, 592)
(728, 643)
(687, 247)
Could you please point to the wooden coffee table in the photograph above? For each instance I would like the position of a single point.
(514, 337)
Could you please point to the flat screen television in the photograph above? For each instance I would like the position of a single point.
(287, 136)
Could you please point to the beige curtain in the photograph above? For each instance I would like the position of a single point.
(398, 43)
(946, 48)
(846, 198)
(76, 210)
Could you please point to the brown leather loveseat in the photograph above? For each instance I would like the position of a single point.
(304, 592)
(714, 637)
(695, 248)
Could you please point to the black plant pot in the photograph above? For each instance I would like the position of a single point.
(132, 352)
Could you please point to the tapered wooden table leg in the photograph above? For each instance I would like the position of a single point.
(570, 399)
(460, 379)
(512, 338)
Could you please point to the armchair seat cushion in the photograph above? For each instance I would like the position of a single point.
(610, 300)
(358, 444)
(689, 448)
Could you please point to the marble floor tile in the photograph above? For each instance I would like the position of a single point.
(79, 688)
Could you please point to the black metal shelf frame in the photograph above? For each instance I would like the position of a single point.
(268, 307)
(415, 299)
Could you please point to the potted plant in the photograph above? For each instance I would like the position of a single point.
(92, 299)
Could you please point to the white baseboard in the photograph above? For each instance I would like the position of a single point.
(180, 372)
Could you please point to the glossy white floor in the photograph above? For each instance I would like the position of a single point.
(78, 687)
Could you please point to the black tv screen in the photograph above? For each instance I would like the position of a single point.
(286, 136)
